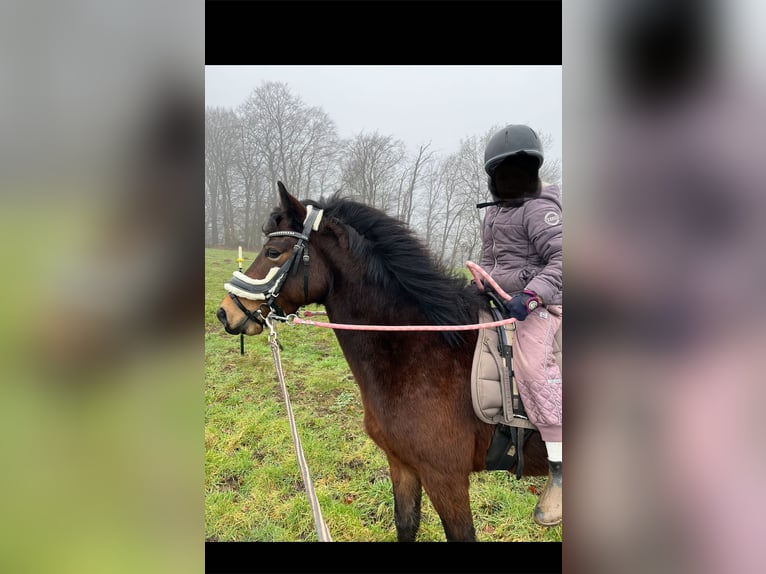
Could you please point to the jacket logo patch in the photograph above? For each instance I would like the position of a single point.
(552, 218)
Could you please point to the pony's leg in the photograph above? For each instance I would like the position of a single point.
(450, 496)
(407, 499)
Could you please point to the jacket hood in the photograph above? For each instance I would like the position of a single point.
(545, 190)
(550, 191)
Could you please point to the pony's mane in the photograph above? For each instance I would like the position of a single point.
(397, 261)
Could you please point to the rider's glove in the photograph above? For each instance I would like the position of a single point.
(522, 304)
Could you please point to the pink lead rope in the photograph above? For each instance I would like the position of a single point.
(299, 321)
(478, 274)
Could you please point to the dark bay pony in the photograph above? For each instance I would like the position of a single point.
(368, 268)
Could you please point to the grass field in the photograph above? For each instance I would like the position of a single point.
(253, 485)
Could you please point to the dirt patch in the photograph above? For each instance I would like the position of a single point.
(349, 469)
(378, 475)
(258, 455)
(230, 483)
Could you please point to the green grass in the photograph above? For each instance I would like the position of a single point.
(253, 485)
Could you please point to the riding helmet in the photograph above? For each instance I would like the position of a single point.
(512, 139)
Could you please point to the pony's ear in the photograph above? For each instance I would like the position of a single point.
(293, 208)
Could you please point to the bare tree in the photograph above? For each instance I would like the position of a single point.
(275, 136)
(269, 113)
(313, 153)
(410, 178)
(297, 144)
(219, 159)
(432, 194)
(251, 178)
(550, 171)
(372, 168)
(473, 186)
(443, 207)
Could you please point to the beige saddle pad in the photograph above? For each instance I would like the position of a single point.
(492, 388)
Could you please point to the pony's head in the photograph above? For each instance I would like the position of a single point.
(289, 272)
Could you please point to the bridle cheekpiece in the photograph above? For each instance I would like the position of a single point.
(267, 289)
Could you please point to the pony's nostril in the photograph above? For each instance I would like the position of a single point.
(221, 314)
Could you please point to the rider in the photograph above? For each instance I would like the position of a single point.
(521, 250)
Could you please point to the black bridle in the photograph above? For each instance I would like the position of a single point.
(268, 289)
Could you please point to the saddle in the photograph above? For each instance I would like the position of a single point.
(495, 395)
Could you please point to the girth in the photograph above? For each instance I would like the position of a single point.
(519, 428)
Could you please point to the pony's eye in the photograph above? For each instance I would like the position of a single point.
(272, 254)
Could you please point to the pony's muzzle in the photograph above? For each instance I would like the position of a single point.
(224, 319)
(245, 327)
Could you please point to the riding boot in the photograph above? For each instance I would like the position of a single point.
(548, 508)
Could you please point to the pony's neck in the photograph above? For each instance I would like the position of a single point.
(357, 303)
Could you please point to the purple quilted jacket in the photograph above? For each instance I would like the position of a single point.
(521, 245)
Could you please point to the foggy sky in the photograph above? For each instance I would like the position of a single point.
(416, 104)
